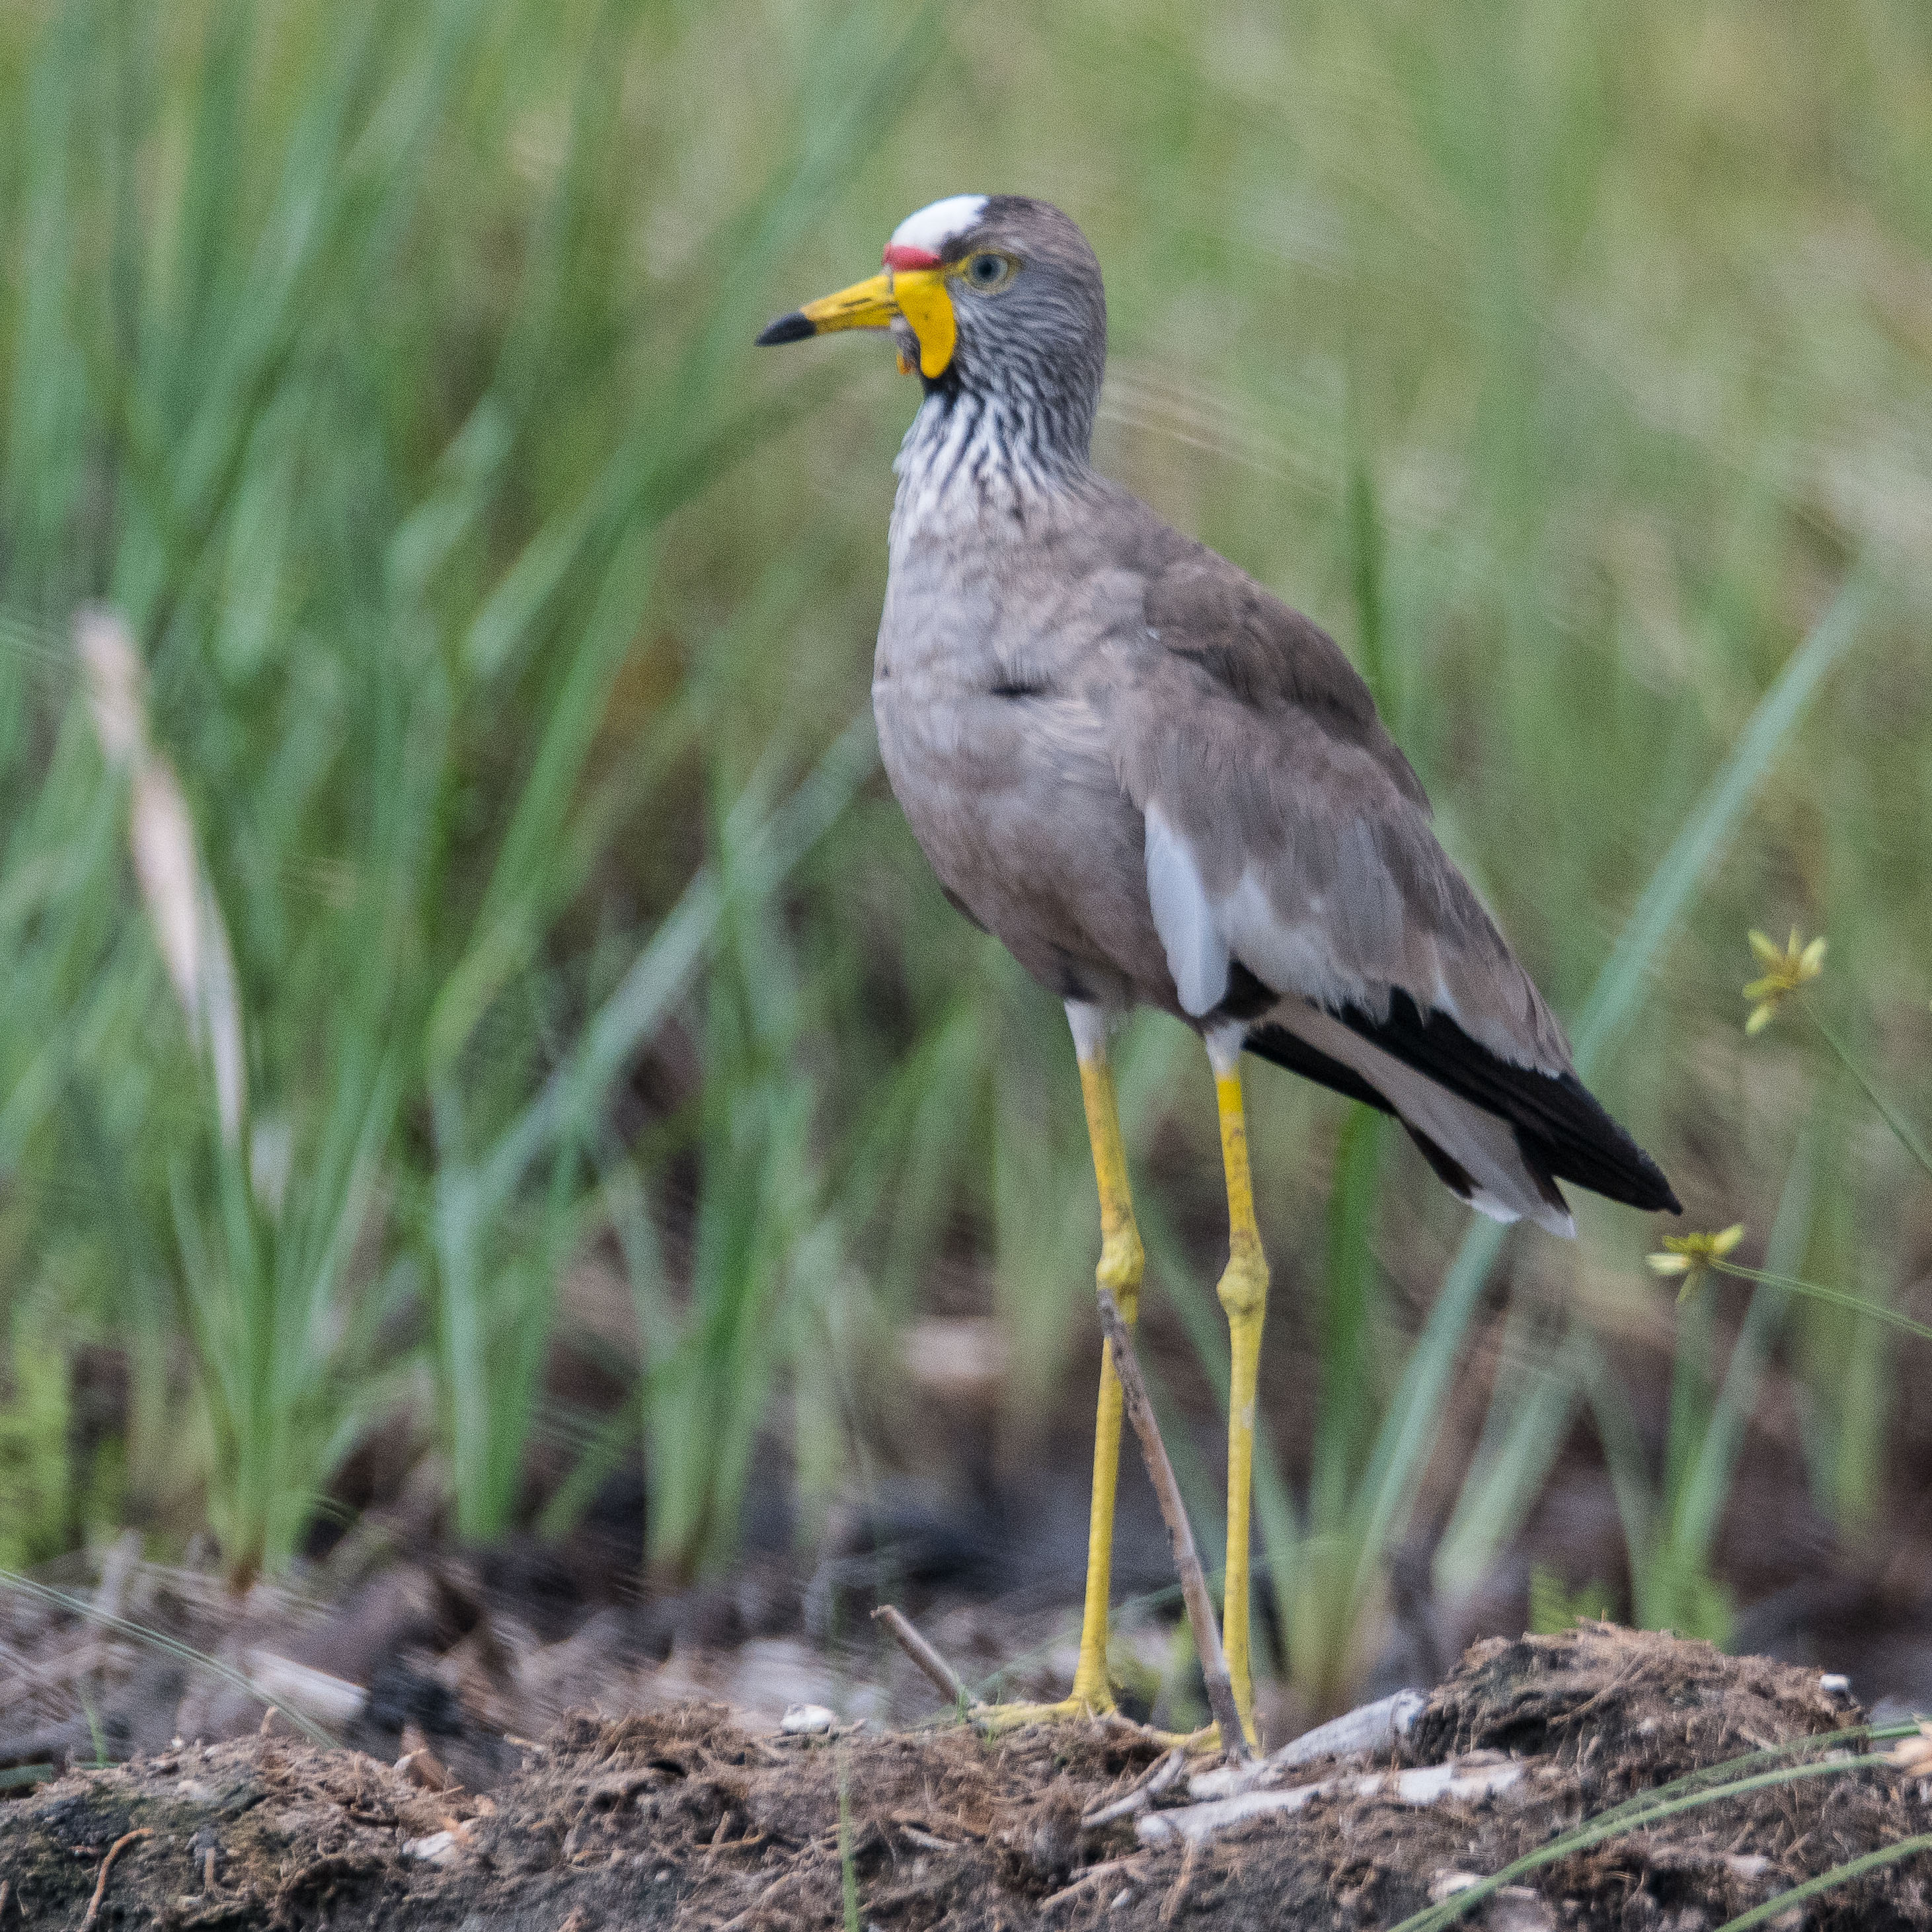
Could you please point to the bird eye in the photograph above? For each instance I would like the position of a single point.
(989, 270)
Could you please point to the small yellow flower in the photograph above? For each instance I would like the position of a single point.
(1786, 968)
(1691, 1256)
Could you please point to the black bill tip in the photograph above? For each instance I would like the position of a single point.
(793, 328)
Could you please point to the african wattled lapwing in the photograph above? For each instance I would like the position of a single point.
(1157, 785)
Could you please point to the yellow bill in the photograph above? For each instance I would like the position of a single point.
(919, 295)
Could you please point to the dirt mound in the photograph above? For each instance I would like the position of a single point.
(681, 1817)
(1621, 1708)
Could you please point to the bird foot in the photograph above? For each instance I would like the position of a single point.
(995, 1720)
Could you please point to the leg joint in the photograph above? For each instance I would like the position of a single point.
(1123, 1262)
(1243, 1286)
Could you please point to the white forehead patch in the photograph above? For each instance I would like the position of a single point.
(932, 228)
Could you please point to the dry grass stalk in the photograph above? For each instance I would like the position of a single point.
(1186, 1557)
(187, 923)
(941, 1675)
(114, 1851)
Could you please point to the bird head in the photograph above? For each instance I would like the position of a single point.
(987, 293)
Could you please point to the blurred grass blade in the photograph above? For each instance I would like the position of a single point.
(567, 1105)
(1613, 999)
(1625, 1820)
(1523, 1433)
(1344, 1416)
(1902, 1130)
(1408, 1430)
(1780, 1904)
(89, 1611)
(1696, 1514)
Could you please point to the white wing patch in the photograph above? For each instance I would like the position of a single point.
(1197, 955)
(1345, 945)
(1200, 934)
(932, 227)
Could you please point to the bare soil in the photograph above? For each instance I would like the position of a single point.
(684, 1817)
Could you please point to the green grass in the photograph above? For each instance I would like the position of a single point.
(506, 623)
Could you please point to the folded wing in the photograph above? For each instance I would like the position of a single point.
(1298, 890)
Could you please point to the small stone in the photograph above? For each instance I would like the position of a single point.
(807, 1720)
(438, 1849)
(1516, 1908)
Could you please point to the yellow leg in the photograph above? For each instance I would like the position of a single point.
(1243, 1294)
(1121, 1263)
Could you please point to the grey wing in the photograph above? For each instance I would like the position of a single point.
(1296, 884)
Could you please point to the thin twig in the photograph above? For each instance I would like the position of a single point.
(1141, 1792)
(114, 1851)
(942, 1677)
(1092, 1875)
(758, 1904)
(1186, 1559)
(1176, 1894)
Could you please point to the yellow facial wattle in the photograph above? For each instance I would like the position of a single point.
(927, 304)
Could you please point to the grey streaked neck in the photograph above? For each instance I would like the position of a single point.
(975, 454)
